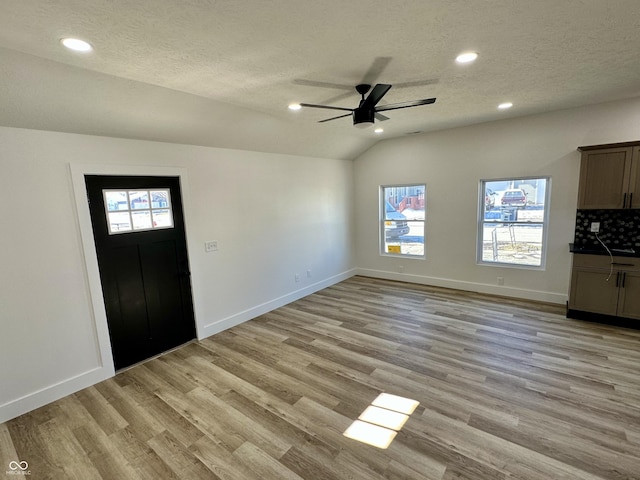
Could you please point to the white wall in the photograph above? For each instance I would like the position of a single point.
(273, 216)
(452, 162)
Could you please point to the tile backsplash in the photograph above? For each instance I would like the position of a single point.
(618, 228)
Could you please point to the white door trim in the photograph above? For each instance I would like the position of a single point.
(78, 171)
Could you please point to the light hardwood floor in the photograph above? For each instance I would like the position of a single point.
(507, 390)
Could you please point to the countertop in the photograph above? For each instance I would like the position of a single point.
(591, 250)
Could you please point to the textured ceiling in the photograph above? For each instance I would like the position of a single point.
(222, 73)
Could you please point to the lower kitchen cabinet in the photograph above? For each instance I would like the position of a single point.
(603, 287)
(629, 300)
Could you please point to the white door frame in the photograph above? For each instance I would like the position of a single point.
(78, 171)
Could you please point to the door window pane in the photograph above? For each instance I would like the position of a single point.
(137, 210)
(119, 222)
(141, 220)
(162, 218)
(115, 201)
(159, 198)
(139, 200)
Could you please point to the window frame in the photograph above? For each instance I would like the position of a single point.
(130, 210)
(382, 218)
(481, 221)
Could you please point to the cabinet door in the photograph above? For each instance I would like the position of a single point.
(604, 178)
(593, 291)
(634, 183)
(629, 301)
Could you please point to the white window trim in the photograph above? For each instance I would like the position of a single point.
(482, 221)
(381, 220)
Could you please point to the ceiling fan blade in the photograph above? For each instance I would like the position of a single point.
(340, 97)
(334, 118)
(375, 70)
(380, 117)
(313, 83)
(329, 107)
(376, 95)
(416, 83)
(396, 106)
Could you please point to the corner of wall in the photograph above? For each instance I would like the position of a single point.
(44, 396)
(223, 324)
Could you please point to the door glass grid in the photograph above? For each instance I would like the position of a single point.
(137, 210)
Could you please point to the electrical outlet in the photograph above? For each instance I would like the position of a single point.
(296, 278)
(211, 246)
(595, 227)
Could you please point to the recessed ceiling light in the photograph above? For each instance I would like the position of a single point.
(295, 106)
(466, 57)
(76, 44)
(505, 105)
(378, 130)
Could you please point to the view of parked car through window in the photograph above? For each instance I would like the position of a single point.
(395, 223)
(514, 198)
(489, 198)
(403, 217)
(512, 221)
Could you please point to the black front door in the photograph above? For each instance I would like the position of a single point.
(138, 226)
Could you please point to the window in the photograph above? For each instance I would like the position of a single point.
(513, 221)
(137, 210)
(402, 220)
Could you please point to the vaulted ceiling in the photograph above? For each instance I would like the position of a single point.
(222, 72)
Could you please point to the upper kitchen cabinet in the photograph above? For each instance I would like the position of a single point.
(634, 180)
(610, 176)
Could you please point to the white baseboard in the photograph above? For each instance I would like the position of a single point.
(54, 392)
(241, 317)
(536, 295)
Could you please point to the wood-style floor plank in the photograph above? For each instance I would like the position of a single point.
(508, 390)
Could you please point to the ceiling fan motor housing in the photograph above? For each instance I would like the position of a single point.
(363, 117)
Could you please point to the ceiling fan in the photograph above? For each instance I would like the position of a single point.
(366, 112)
